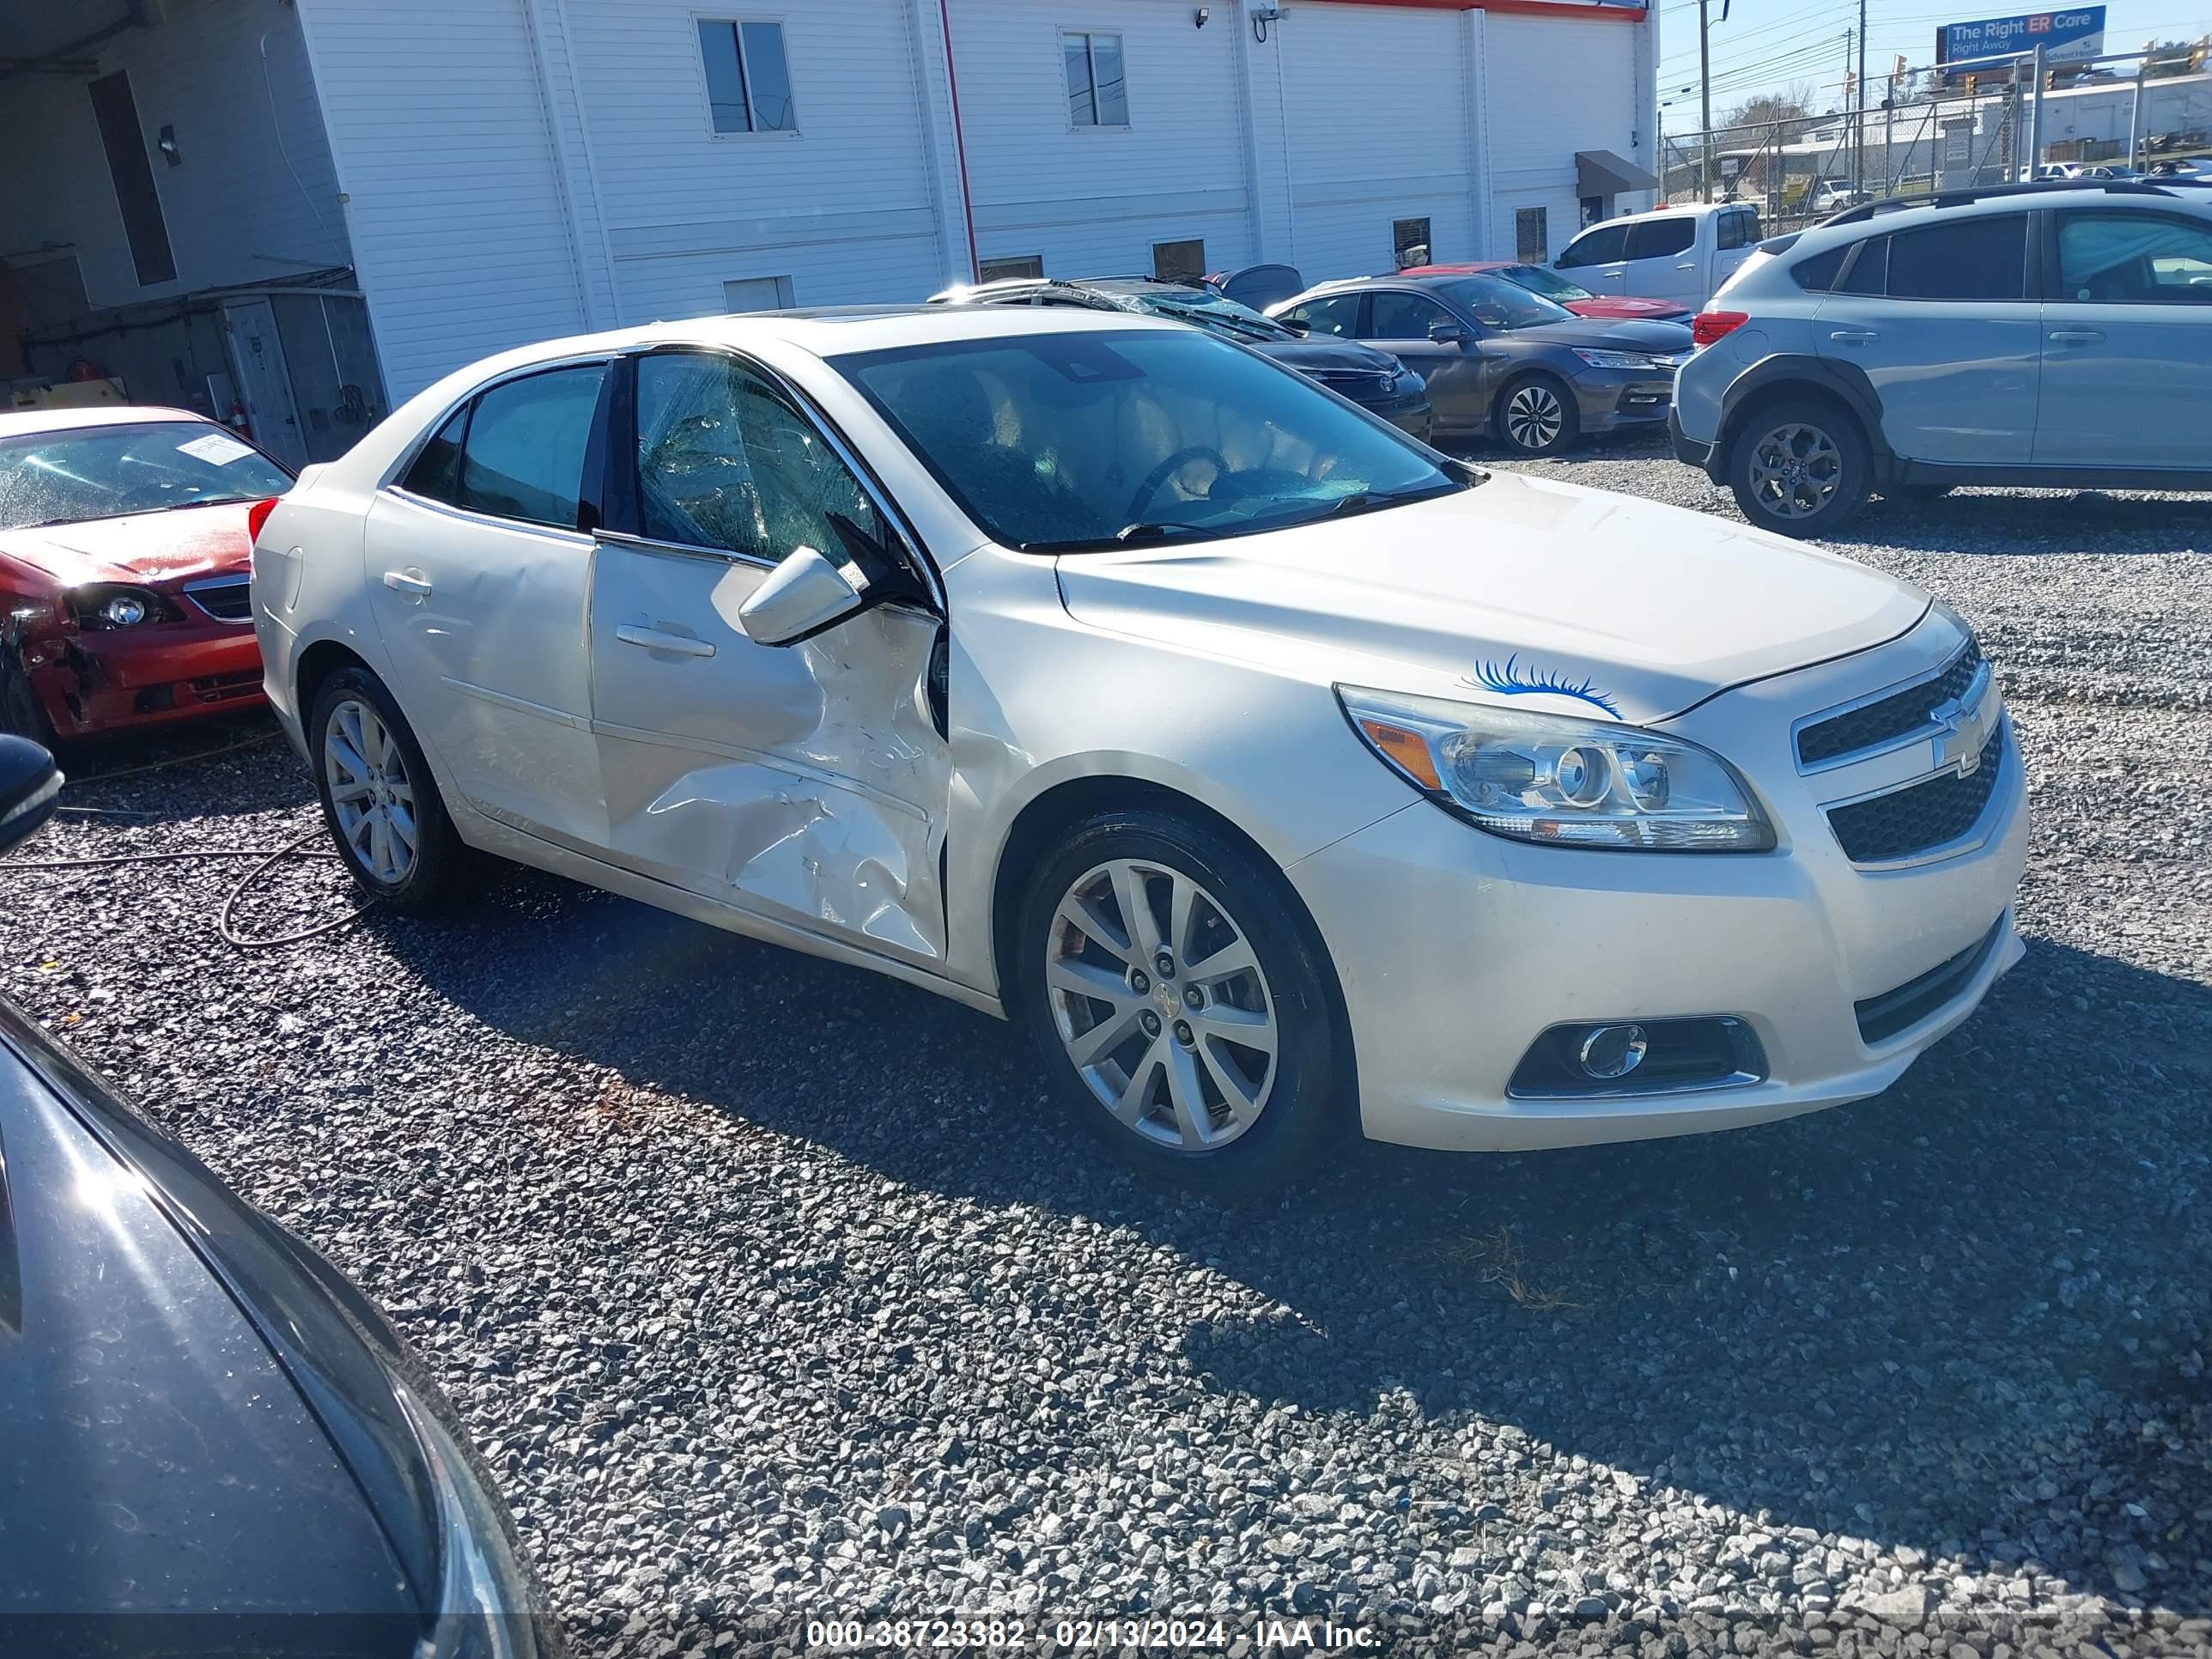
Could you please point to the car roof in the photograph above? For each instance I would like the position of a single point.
(1906, 212)
(24, 422)
(1695, 209)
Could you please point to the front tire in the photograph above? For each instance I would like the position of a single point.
(1800, 468)
(1536, 416)
(382, 807)
(1181, 1004)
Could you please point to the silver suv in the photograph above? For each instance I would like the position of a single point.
(2056, 335)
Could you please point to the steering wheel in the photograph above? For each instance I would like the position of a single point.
(1159, 474)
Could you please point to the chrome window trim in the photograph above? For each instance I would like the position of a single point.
(581, 538)
(1976, 689)
(1976, 837)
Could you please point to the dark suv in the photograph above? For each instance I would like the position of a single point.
(1374, 380)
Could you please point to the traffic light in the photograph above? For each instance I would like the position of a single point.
(2196, 56)
(1971, 82)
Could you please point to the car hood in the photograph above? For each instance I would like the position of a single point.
(1626, 308)
(154, 1456)
(1491, 594)
(1308, 355)
(1608, 333)
(144, 547)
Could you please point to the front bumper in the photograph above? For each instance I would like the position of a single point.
(111, 680)
(1410, 414)
(1614, 400)
(1457, 950)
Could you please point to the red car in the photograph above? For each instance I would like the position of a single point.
(125, 557)
(1542, 279)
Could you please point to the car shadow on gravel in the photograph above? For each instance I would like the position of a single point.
(1964, 1318)
(2014, 522)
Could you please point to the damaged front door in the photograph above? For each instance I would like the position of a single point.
(806, 782)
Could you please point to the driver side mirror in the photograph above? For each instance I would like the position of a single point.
(30, 786)
(801, 596)
(1443, 333)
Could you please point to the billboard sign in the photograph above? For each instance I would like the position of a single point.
(2066, 37)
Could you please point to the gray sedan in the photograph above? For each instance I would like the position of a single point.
(1500, 361)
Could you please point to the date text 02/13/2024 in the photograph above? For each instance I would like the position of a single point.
(1195, 1635)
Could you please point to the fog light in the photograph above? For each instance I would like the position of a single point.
(1611, 1051)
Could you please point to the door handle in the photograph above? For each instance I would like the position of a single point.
(653, 639)
(2075, 336)
(1687, 264)
(411, 582)
(1854, 335)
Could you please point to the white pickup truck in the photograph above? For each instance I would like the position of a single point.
(1681, 253)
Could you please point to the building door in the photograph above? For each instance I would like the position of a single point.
(263, 383)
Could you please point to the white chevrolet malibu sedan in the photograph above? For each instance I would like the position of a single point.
(1277, 773)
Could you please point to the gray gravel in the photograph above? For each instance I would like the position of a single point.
(773, 1290)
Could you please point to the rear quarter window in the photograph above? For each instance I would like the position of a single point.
(1817, 273)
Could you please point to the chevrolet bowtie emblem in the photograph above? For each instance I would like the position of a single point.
(1960, 732)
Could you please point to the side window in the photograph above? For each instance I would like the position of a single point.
(1817, 274)
(1739, 228)
(437, 469)
(1972, 259)
(1400, 316)
(1869, 273)
(1601, 247)
(724, 462)
(1656, 238)
(1337, 314)
(525, 454)
(2134, 260)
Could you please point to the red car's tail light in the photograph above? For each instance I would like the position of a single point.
(1708, 326)
(256, 516)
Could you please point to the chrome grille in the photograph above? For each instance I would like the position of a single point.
(1892, 719)
(227, 598)
(1921, 817)
(1354, 383)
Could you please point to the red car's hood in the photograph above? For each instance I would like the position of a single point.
(144, 547)
(1621, 305)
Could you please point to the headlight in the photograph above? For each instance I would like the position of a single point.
(1560, 782)
(100, 604)
(484, 1595)
(125, 611)
(1619, 358)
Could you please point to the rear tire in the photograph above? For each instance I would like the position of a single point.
(1800, 468)
(379, 802)
(1535, 416)
(1199, 1041)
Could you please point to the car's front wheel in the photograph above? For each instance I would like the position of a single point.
(378, 799)
(1181, 1003)
(1800, 468)
(1536, 416)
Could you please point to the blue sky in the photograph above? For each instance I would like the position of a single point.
(1767, 46)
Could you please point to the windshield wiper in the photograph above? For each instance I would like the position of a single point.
(1155, 532)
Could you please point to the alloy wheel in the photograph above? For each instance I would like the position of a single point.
(371, 793)
(1795, 470)
(1534, 416)
(1161, 1005)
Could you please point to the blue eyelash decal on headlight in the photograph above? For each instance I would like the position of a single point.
(1511, 681)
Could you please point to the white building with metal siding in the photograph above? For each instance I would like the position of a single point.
(498, 171)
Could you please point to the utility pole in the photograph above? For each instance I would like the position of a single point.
(2135, 113)
(1704, 105)
(2035, 118)
(1858, 126)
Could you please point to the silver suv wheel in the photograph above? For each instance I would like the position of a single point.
(1795, 470)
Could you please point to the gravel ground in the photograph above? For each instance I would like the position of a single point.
(773, 1290)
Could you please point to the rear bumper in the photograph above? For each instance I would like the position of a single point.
(106, 682)
(1687, 449)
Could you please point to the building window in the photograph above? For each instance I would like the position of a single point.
(1179, 262)
(1409, 242)
(757, 293)
(1596, 209)
(1531, 239)
(748, 82)
(1098, 90)
(1001, 270)
(117, 112)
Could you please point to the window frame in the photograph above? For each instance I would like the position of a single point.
(620, 477)
(1543, 227)
(592, 489)
(1426, 244)
(2031, 262)
(736, 23)
(2048, 259)
(1091, 67)
(1445, 312)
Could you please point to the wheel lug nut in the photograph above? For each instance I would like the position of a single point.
(1165, 963)
(1150, 1022)
(1194, 998)
(1138, 983)
(1182, 1032)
